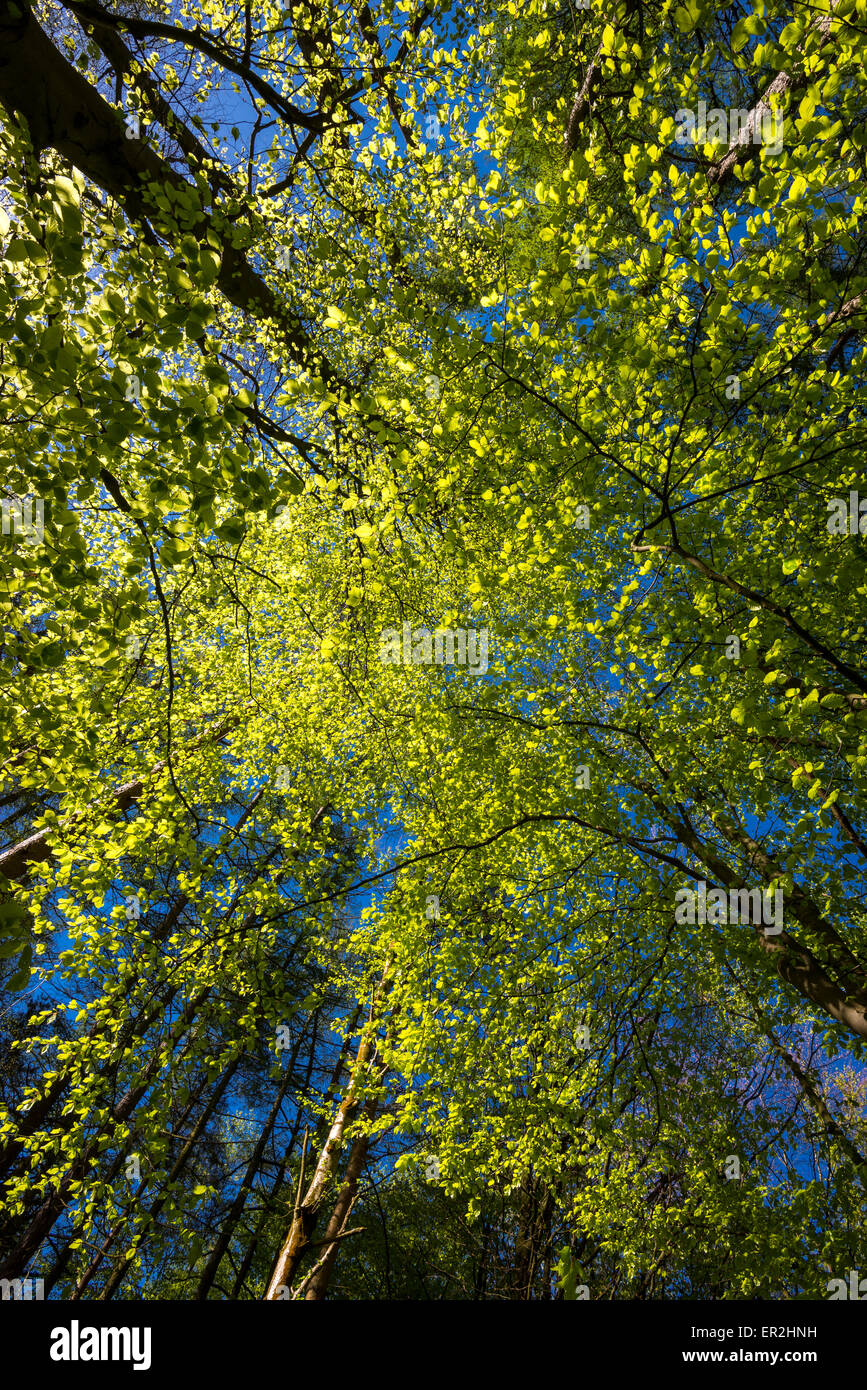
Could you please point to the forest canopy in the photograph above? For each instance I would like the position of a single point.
(433, 817)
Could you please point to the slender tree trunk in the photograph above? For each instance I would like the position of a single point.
(335, 1230)
(19, 1259)
(795, 962)
(30, 1120)
(525, 1248)
(306, 1211)
(61, 1262)
(117, 1275)
(215, 1258)
(812, 1094)
(280, 1175)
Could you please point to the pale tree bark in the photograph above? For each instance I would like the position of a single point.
(306, 1212)
(327, 1099)
(317, 1285)
(579, 105)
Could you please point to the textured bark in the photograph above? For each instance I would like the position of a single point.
(103, 29)
(533, 1239)
(582, 100)
(783, 82)
(306, 1212)
(268, 1205)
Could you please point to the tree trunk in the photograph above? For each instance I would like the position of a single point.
(306, 1211)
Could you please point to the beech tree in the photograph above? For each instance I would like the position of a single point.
(433, 687)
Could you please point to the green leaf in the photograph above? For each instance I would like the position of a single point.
(23, 249)
(21, 976)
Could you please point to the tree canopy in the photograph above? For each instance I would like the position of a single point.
(432, 697)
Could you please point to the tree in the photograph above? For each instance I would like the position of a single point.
(448, 619)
